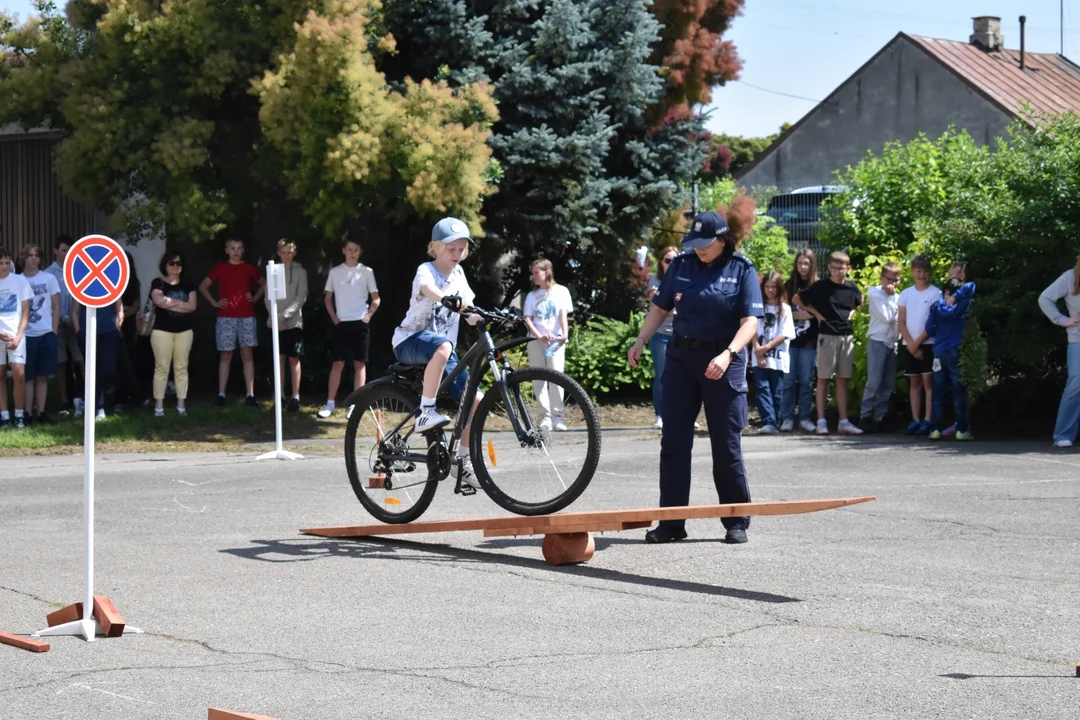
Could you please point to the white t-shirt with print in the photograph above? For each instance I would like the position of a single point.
(776, 322)
(43, 286)
(918, 304)
(351, 287)
(426, 314)
(544, 306)
(14, 290)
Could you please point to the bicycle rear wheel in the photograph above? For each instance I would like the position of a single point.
(393, 491)
(550, 469)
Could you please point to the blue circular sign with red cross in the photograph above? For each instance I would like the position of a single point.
(96, 271)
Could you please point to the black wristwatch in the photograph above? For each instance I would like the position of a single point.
(731, 351)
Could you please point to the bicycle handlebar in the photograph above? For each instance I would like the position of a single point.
(495, 317)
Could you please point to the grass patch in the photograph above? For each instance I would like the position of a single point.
(207, 428)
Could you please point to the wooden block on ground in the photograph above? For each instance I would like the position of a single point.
(71, 613)
(216, 714)
(24, 642)
(107, 617)
(568, 549)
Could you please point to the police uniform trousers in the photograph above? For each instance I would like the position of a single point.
(685, 389)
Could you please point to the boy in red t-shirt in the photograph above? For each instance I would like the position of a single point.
(236, 314)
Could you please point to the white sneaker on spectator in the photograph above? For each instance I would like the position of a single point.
(806, 426)
(545, 424)
(78, 408)
(430, 419)
(560, 426)
(847, 427)
(659, 424)
(1063, 444)
(100, 414)
(159, 412)
(822, 428)
(768, 430)
(327, 411)
(787, 426)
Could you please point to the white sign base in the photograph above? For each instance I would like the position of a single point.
(275, 290)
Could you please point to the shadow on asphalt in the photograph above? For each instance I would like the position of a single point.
(965, 676)
(944, 447)
(301, 550)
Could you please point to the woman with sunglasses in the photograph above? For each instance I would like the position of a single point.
(174, 299)
(718, 299)
(658, 343)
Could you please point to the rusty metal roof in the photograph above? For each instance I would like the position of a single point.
(1049, 82)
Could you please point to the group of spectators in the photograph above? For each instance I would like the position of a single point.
(806, 339)
(42, 329)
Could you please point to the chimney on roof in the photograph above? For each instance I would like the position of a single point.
(1023, 21)
(987, 35)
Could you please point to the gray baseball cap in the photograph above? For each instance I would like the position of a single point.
(448, 230)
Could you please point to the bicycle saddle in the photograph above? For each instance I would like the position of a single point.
(406, 370)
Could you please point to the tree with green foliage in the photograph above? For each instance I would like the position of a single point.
(221, 112)
(583, 174)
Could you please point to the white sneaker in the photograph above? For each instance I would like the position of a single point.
(100, 414)
(806, 426)
(78, 407)
(659, 424)
(327, 411)
(822, 428)
(467, 476)
(159, 412)
(767, 430)
(787, 426)
(847, 427)
(560, 426)
(545, 424)
(430, 419)
(1063, 444)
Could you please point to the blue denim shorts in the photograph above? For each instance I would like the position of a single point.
(418, 349)
(41, 356)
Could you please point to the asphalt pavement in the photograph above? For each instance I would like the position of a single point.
(953, 595)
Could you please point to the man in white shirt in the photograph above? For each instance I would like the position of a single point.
(881, 349)
(41, 331)
(915, 304)
(347, 290)
(14, 315)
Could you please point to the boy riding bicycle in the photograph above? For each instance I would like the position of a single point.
(428, 333)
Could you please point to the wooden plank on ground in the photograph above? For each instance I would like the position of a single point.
(107, 617)
(600, 521)
(216, 714)
(71, 613)
(24, 642)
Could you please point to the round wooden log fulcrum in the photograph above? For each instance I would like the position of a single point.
(568, 549)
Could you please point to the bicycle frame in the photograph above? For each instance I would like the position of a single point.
(484, 350)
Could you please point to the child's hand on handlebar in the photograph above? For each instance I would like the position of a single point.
(452, 302)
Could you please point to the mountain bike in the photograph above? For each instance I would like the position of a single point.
(520, 462)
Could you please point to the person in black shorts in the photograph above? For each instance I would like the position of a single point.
(918, 351)
(290, 319)
(348, 289)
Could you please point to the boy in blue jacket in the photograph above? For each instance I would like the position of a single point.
(948, 316)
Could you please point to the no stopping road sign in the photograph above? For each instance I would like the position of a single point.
(96, 271)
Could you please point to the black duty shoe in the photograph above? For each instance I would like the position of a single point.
(735, 536)
(219, 401)
(294, 405)
(664, 534)
(250, 400)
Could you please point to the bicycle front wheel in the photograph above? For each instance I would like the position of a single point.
(547, 467)
(393, 491)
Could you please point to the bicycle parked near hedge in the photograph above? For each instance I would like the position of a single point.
(525, 469)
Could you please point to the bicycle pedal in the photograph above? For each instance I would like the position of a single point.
(463, 489)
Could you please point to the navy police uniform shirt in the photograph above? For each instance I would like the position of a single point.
(710, 300)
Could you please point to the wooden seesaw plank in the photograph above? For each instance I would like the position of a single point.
(216, 714)
(602, 521)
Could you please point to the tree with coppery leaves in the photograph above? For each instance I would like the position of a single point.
(692, 53)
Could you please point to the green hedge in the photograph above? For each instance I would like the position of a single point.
(596, 356)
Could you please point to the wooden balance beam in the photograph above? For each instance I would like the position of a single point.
(568, 536)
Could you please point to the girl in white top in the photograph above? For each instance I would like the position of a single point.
(546, 314)
(428, 333)
(771, 351)
(1067, 288)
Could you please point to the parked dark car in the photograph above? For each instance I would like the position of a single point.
(800, 213)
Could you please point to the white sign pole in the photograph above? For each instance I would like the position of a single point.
(275, 288)
(90, 406)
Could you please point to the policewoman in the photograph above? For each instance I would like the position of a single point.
(716, 293)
